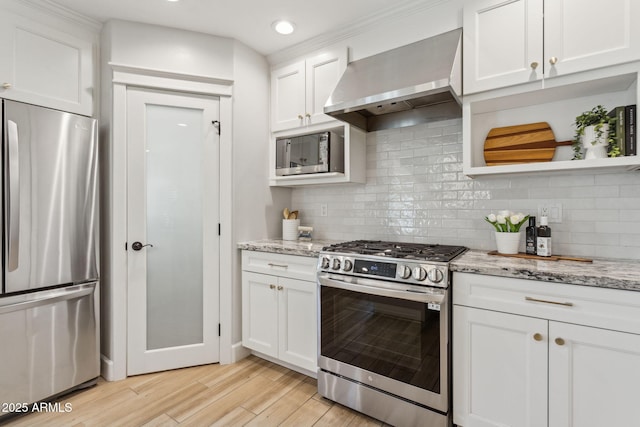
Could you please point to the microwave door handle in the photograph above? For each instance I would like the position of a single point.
(404, 294)
(13, 198)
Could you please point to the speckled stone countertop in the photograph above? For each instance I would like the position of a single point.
(287, 247)
(600, 273)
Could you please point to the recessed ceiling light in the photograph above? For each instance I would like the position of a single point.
(173, 0)
(283, 27)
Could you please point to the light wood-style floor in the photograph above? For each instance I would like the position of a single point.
(252, 392)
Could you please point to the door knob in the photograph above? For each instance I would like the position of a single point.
(136, 246)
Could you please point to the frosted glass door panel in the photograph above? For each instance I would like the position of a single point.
(174, 226)
(173, 166)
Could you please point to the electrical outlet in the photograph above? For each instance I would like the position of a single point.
(543, 210)
(323, 209)
(553, 212)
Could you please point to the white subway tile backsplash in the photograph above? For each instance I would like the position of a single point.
(416, 192)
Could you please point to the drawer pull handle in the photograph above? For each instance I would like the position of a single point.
(566, 304)
(272, 286)
(278, 265)
(559, 341)
(537, 337)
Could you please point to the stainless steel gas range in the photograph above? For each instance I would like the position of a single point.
(384, 330)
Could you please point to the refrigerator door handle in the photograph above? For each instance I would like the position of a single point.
(50, 298)
(13, 199)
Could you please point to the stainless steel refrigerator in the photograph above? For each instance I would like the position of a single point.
(49, 328)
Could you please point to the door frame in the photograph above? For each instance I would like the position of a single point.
(114, 367)
(140, 358)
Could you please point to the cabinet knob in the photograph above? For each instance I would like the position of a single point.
(553, 60)
(280, 288)
(6, 85)
(307, 115)
(534, 65)
(559, 341)
(537, 337)
(272, 286)
(300, 117)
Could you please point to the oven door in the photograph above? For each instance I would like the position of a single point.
(389, 336)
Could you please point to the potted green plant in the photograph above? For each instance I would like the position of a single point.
(593, 135)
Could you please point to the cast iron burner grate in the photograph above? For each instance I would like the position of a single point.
(416, 251)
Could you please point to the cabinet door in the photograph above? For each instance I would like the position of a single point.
(260, 313)
(298, 323)
(499, 369)
(322, 75)
(594, 377)
(502, 43)
(583, 35)
(43, 66)
(287, 97)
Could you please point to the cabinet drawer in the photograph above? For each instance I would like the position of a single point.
(599, 307)
(293, 266)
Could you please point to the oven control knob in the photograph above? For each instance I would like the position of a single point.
(435, 275)
(325, 262)
(348, 265)
(336, 264)
(419, 273)
(405, 272)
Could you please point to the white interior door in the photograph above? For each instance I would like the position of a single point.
(172, 227)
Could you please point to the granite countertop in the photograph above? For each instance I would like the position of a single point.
(600, 273)
(287, 247)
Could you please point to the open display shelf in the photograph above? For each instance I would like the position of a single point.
(557, 101)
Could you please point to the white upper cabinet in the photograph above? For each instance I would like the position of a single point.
(502, 43)
(44, 66)
(300, 90)
(519, 41)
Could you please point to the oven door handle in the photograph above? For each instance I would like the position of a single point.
(405, 294)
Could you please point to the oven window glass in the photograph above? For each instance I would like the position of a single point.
(392, 337)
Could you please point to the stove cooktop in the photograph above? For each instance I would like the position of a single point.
(408, 251)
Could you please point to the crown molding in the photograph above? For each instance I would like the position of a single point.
(367, 23)
(52, 8)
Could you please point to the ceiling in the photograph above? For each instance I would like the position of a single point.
(248, 21)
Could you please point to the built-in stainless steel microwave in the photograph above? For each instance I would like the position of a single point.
(313, 153)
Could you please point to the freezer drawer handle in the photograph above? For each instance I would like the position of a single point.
(51, 298)
(13, 198)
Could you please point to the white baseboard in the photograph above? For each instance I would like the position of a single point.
(238, 352)
(106, 368)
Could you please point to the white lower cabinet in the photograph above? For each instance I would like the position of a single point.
(522, 358)
(279, 310)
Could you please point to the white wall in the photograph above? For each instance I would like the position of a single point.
(422, 19)
(416, 191)
(161, 48)
(257, 207)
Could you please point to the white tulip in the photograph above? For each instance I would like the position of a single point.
(515, 219)
(501, 219)
(491, 218)
(505, 213)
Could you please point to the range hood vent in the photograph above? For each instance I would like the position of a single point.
(417, 83)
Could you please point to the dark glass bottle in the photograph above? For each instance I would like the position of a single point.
(543, 240)
(531, 234)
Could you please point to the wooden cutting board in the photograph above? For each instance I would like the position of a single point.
(533, 142)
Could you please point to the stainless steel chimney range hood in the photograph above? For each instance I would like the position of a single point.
(417, 83)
